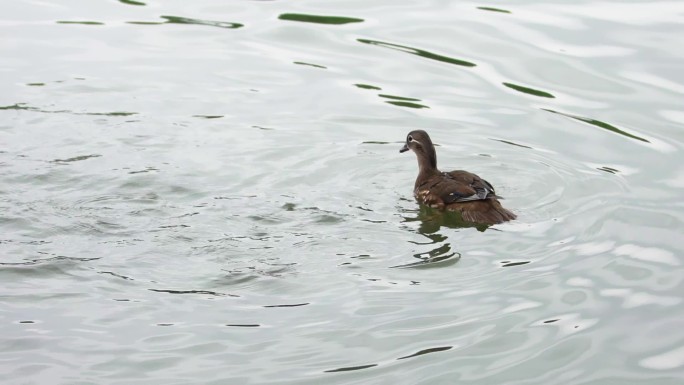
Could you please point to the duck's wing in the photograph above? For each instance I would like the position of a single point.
(463, 186)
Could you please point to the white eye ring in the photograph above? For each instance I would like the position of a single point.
(410, 138)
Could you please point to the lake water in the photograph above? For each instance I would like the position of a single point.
(211, 192)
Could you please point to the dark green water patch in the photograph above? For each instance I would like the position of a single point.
(211, 23)
(319, 19)
(146, 22)
(367, 86)
(288, 305)
(512, 143)
(289, 206)
(24, 107)
(76, 158)
(187, 20)
(244, 325)
(115, 113)
(80, 22)
(17, 106)
(529, 91)
(264, 219)
(443, 250)
(492, 9)
(205, 292)
(406, 104)
(418, 52)
(113, 274)
(208, 116)
(599, 124)
(328, 219)
(511, 264)
(131, 2)
(50, 260)
(310, 64)
(398, 98)
(152, 169)
(165, 226)
(427, 351)
(608, 169)
(350, 368)
(433, 261)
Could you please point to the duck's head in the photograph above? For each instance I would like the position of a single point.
(419, 142)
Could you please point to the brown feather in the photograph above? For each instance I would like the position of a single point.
(488, 211)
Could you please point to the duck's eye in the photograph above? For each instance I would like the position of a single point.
(410, 138)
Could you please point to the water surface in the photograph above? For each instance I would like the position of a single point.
(211, 192)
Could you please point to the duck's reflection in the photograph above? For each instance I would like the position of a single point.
(432, 220)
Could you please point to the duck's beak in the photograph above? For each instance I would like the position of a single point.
(405, 148)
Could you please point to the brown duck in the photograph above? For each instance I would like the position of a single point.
(459, 190)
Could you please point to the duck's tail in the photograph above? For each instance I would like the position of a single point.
(488, 212)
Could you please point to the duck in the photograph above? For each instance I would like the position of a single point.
(459, 191)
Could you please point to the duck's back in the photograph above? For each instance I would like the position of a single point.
(464, 192)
